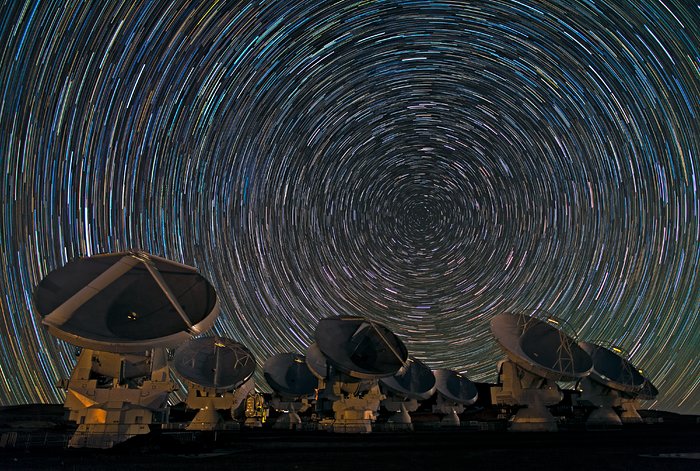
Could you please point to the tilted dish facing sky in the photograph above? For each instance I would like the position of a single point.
(612, 370)
(288, 375)
(425, 165)
(125, 302)
(540, 346)
(214, 362)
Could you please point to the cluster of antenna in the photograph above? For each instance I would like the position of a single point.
(125, 309)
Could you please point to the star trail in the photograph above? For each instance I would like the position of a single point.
(425, 164)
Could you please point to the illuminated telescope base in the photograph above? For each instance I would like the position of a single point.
(608, 401)
(400, 419)
(353, 412)
(289, 419)
(629, 414)
(450, 411)
(209, 402)
(109, 410)
(518, 386)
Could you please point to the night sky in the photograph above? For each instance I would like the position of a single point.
(426, 165)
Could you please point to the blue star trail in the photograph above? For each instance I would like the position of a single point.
(427, 165)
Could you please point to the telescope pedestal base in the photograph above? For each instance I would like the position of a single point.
(629, 413)
(352, 426)
(207, 418)
(288, 421)
(603, 417)
(357, 419)
(114, 411)
(401, 420)
(451, 419)
(533, 418)
(104, 435)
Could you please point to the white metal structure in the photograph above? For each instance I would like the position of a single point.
(455, 391)
(614, 383)
(357, 353)
(219, 374)
(294, 387)
(122, 309)
(415, 382)
(539, 354)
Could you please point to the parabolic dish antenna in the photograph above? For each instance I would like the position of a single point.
(214, 362)
(455, 387)
(539, 354)
(612, 370)
(288, 374)
(125, 302)
(540, 346)
(415, 381)
(614, 387)
(648, 391)
(360, 348)
(316, 361)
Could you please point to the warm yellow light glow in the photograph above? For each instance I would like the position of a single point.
(84, 400)
(97, 416)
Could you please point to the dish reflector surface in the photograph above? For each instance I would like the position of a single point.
(359, 347)
(125, 302)
(455, 387)
(214, 362)
(287, 373)
(316, 361)
(611, 370)
(540, 347)
(415, 381)
(648, 391)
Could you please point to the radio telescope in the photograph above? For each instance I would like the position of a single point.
(415, 382)
(357, 352)
(317, 364)
(614, 382)
(218, 372)
(454, 392)
(539, 354)
(648, 391)
(294, 385)
(122, 309)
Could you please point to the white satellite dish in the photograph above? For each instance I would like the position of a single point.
(360, 348)
(125, 302)
(219, 372)
(648, 391)
(288, 375)
(357, 352)
(539, 354)
(454, 392)
(216, 363)
(293, 384)
(122, 308)
(412, 383)
(614, 382)
(316, 362)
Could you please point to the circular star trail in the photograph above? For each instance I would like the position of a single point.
(427, 165)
